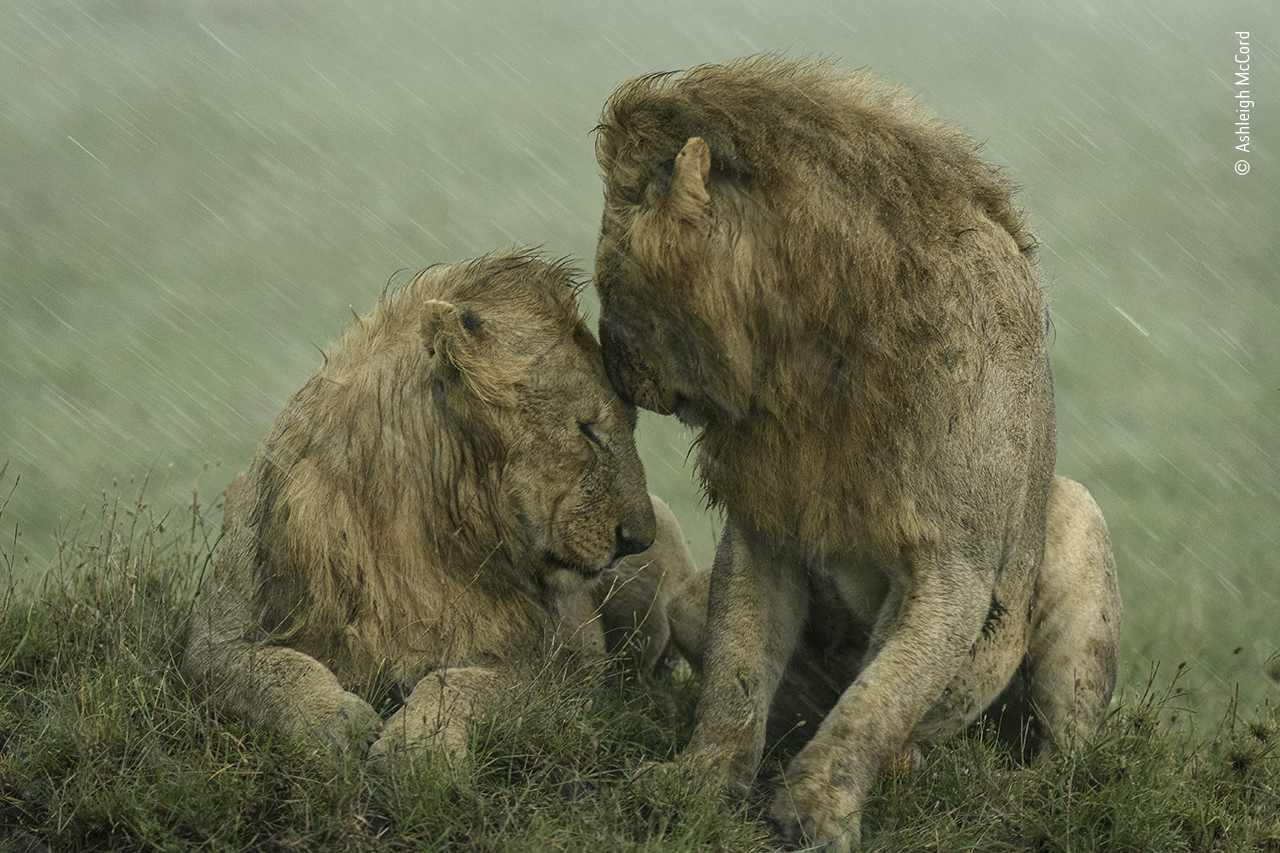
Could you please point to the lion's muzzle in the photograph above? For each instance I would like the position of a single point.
(632, 538)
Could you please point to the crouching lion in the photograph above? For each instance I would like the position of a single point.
(453, 497)
(842, 296)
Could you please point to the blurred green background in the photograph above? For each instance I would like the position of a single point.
(196, 194)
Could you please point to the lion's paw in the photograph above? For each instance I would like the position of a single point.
(812, 811)
(409, 734)
(350, 728)
(381, 751)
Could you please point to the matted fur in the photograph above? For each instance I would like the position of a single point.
(446, 503)
(835, 287)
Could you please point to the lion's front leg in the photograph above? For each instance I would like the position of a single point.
(284, 690)
(756, 610)
(821, 796)
(438, 715)
(275, 687)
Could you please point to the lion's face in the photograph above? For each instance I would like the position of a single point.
(670, 323)
(646, 359)
(524, 381)
(573, 476)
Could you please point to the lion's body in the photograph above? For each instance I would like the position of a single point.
(1075, 617)
(835, 288)
(443, 506)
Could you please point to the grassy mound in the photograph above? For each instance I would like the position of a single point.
(103, 746)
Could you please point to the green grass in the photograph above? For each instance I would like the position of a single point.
(194, 197)
(104, 747)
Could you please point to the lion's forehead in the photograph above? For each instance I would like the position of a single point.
(569, 397)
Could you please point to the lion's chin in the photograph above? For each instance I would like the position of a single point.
(565, 583)
(565, 576)
(649, 397)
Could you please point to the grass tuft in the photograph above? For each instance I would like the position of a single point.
(104, 747)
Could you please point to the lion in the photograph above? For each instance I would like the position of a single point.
(453, 498)
(842, 297)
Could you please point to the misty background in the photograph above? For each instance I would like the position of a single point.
(195, 196)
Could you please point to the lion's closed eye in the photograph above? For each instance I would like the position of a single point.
(589, 430)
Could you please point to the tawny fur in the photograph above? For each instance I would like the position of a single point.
(841, 294)
(453, 498)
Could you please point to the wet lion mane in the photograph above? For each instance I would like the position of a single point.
(333, 495)
(859, 233)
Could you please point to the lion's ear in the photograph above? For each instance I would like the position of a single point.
(441, 326)
(455, 339)
(687, 195)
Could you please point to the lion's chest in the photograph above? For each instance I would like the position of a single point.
(830, 497)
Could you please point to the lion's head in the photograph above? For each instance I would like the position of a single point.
(467, 421)
(521, 392)
(423, 521)
(769, 223)
(673, 336)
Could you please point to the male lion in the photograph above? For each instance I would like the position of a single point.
(840, 293)
(444, 504)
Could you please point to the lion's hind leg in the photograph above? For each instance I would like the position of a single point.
(1071, 664)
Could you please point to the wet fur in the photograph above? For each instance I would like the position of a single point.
(841, 295)
(454, 497)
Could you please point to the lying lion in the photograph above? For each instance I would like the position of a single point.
(453, 498)
(841, 295)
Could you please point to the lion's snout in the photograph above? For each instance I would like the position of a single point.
(615, 350)
(588, 546)
(634, 536)
(632, 379)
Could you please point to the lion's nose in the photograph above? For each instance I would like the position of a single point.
(632, 538)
